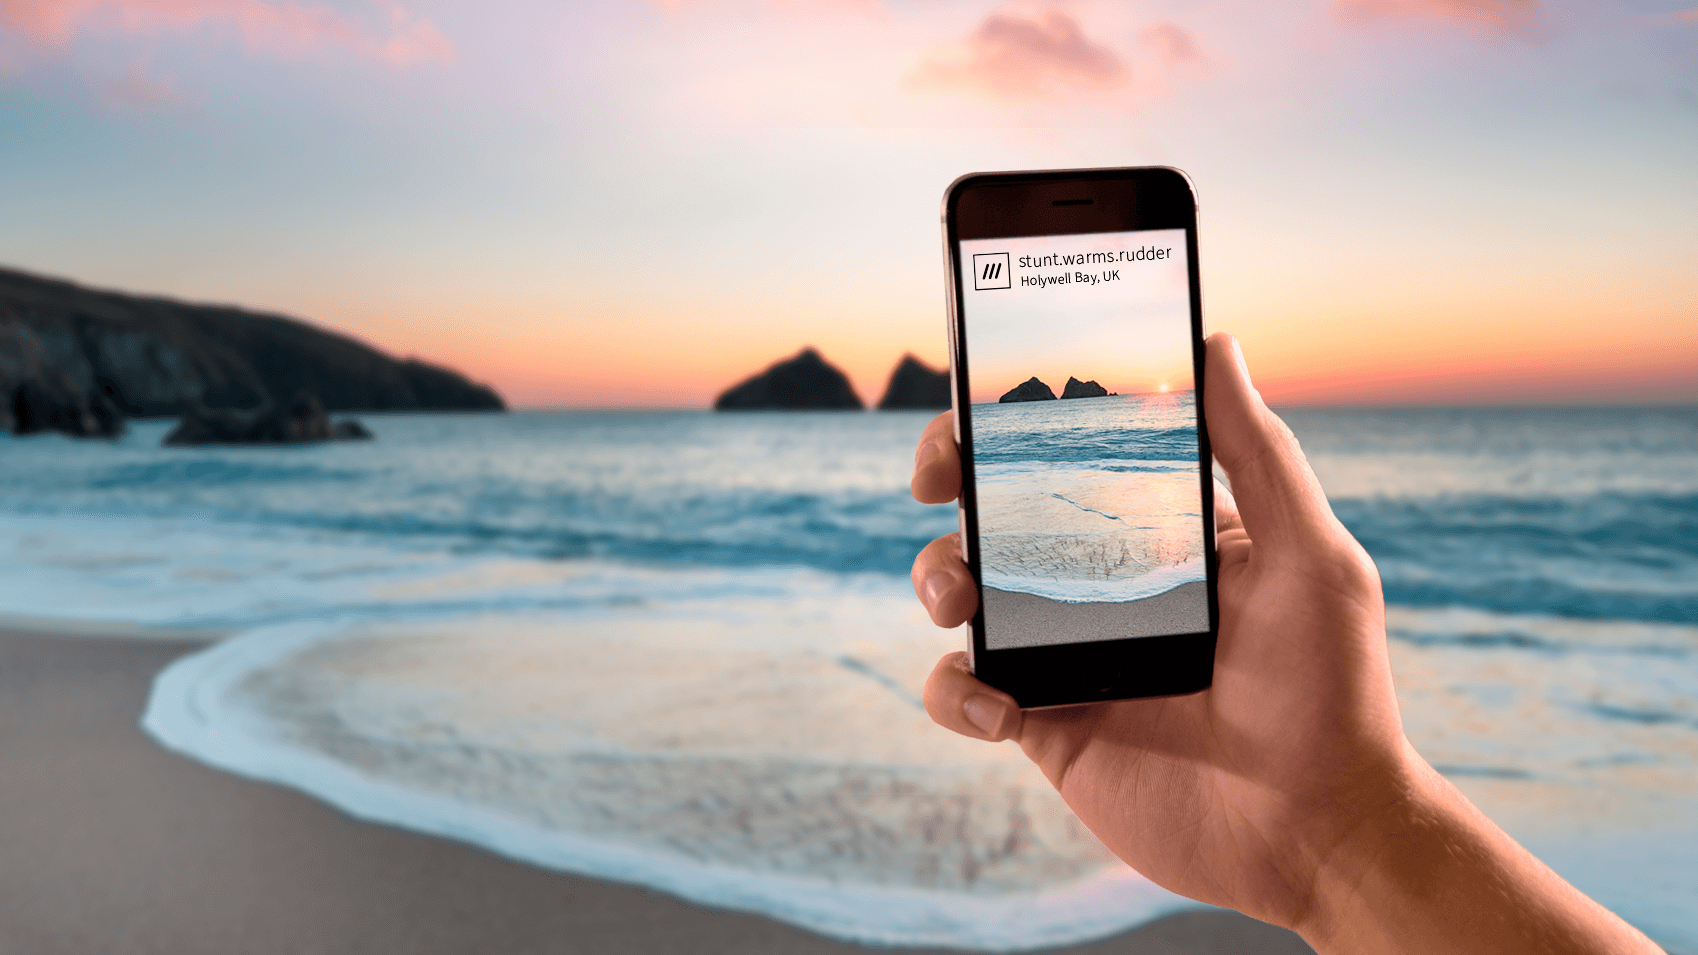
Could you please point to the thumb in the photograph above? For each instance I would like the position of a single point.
(1278, 496)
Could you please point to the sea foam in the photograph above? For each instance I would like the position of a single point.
(763, 754)
(1100, 589)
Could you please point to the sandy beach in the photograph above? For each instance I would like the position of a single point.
(115, 845)
(1027, 620)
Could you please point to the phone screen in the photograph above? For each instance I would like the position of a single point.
(1083, 428)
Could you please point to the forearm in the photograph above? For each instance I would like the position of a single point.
(1435, 875)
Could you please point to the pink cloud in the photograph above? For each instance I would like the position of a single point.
(1171, 44)
(419, 43)
(1495, 16)
(1013, 56)
(282, 28)
(802, 5)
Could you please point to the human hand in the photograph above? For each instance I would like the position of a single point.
(1286, 790)
(1234, 796)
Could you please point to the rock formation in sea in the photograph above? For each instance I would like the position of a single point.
(806, 382)
(1029, 390)
(96, 352)
(1083, 389)
(913, 385)
(302, 421)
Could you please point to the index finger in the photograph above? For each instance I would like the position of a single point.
(937, 463)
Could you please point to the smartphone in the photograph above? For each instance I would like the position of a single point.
(1087, 498)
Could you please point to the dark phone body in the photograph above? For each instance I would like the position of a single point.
(1067, 203)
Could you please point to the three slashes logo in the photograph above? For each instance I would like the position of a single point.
(992, 270)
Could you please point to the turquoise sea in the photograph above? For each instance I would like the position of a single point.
(681, 649)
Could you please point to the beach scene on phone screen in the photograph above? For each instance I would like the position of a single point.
(1084, 437)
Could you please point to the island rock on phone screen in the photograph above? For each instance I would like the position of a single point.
(1082, 439)
(1084, 426)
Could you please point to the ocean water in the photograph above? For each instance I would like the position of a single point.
(680, 649)
(1089, 499)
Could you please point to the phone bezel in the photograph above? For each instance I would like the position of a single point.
(1023, 204)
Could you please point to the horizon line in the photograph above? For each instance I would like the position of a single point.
(1510, 404)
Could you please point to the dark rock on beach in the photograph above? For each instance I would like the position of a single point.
(915, 386)
(1083, 389)
(98, 352)
(806, 382)
(302, 421)
(1029, 390)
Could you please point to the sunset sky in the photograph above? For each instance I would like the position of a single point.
(1125, 326)
(613, 203)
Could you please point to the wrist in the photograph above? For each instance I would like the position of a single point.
(1395, 844)
(1428, 872)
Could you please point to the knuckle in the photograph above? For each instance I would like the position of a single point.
(1344, 566)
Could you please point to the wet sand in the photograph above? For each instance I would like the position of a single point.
(115, 845)
(1026, 620)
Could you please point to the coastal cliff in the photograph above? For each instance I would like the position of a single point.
(37, 395)
(806, 382)
(80, 360)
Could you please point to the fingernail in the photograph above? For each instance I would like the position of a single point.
(984, 713)
(933, 590)
(1238, 359)
(925, 453)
